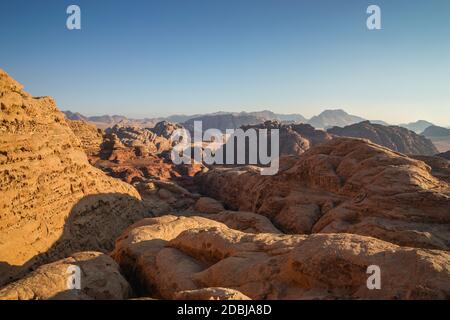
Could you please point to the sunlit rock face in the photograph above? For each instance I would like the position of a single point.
(53, 202)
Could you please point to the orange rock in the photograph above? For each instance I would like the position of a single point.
(53, 202)
(99, 279)
(181, 257)
(344, 185)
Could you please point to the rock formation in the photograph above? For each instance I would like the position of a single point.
(294, 138)
(90, 137)
(215, 293)
(395, 138)
(445, 155)
(440, 166)
(337, 207)
(53, 202)
(143, 137)
(344, 185)
(183, 257)
(99, 279)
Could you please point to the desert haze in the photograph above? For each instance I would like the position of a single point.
(102, 193)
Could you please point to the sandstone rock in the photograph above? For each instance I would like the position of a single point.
(208, 205)
(245, 221)
(393, 137)
(90, 137)
(344, 185)
(165, 129)
(210, 294)
(142, 255)
(134, 161)
(53, 202)
(294, 138)
(182, 257)
(142, 137)
(440, 166)
(100, 279)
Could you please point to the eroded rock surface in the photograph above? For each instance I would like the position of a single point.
(100, 279)
(90, 137)
(211, 294)
(53, 202)
(344, 185)
(181, 257)
(294, 139)
(393, 137)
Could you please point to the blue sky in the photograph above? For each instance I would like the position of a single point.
(151, 58)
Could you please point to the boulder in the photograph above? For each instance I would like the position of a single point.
(345, 185)
(100, 279)
(208, 205)
(184, 257)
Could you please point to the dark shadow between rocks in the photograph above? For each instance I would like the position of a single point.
(93, 224)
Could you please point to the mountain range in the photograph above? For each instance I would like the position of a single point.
(327, 119)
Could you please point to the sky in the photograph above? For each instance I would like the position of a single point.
(155, 58)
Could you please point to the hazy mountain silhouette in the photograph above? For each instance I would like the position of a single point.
(436, 131)
(418, 126)
(332, 118)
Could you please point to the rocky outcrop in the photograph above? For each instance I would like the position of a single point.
(99, 279)
(215, 293)
(343, 186)
(245, 221)
(188, 257)
(139, 163)
(445, 155)
(208, 205)
(53, 202)
(294, 138)
(395, 138)
(440, 166)
(90, 137)
(142, 137)
(165, 129)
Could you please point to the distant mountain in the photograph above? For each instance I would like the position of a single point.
(107, 121)
(393, 137)
(332, 118)
(223, 121)
(269, 115)
(74, 116)
(418, 126)
(180, 118)
(435, 131)
(384, 123)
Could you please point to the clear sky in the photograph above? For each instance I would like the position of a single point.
(151, 58)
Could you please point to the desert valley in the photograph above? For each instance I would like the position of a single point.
(102, 194)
